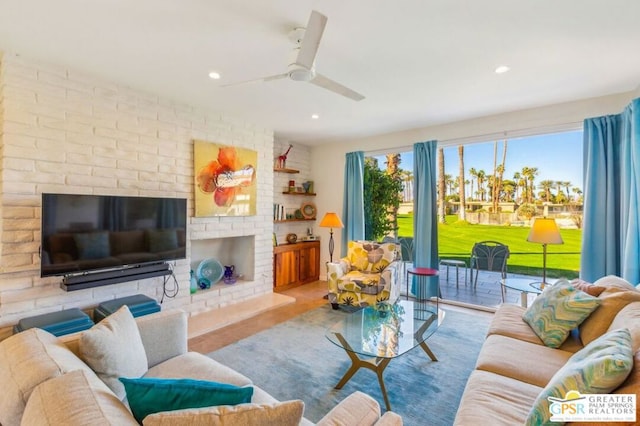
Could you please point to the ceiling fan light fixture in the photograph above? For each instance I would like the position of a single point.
(299, 73)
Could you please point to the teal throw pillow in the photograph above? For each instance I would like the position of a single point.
(162, 240)
(152, 395)
(558, 310)
(600, 367)
(93, 245)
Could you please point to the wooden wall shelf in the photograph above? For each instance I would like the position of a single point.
(276, 169)
(309, 194)
(292, 220)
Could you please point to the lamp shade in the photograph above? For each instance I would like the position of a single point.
(331, 220)
(545, 231)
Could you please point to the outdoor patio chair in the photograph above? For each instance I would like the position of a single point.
(488, 256)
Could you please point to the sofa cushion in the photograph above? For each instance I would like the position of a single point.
(599, 368)
(508, 321)
(193, 365)
(629, 318)
(26, 360)
(587, 287)
(150, 395)
(491, 399)
(356, 409)
(521, 360)
(612, 301)
(76, 398)
(613, 283)
(558, 310)
(113, 349)
(288, 413)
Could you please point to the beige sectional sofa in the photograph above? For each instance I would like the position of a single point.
(515, 366)
(73, 380)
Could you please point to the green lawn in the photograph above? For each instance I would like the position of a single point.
(455, 241)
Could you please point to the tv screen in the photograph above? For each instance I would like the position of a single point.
(87, 233)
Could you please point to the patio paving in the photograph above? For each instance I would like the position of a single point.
(486, 294)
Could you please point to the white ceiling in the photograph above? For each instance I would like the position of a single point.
(418, 62)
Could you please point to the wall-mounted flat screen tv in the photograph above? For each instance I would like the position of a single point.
(89, 233)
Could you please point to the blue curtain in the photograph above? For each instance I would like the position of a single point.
(611, 234)
(425, 217)
(353, 203)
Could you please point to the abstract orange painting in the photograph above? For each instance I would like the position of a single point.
(225, 180)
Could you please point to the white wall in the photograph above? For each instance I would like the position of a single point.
(329, 158)
(63, 131)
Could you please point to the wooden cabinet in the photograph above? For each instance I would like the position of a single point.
(296, 263)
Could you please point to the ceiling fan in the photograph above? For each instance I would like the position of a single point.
(301, 68)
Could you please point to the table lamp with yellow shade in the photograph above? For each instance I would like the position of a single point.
(544, 231)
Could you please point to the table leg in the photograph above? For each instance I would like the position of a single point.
(523, 299)
(418, 335)
(374, 364)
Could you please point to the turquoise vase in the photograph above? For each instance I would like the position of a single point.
(193, 287)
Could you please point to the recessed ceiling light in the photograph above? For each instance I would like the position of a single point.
(315, 116)
(502, 69)
(214, 75)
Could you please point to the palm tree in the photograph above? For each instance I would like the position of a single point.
(461, 187)
(530, 173)
(451, 182)
(566, 184)
(500, 170)
(441, 186)
(516, 180)
(474, 175)
(545, 186)
(482, 175)
(509, 188)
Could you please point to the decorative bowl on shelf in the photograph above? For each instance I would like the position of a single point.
(210, 270)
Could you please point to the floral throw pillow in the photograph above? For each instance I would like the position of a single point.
(558, 310)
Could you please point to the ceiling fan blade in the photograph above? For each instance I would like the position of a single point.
(336, 87)
(311, 40)
(270, 78)
(276, 77)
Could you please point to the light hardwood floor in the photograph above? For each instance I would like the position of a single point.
(308, 297)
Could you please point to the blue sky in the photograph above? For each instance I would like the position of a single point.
(557, 156)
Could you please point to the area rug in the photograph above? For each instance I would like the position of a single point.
(294, 360)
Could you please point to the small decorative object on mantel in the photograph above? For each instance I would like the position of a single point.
(292, 238)
(229, 274)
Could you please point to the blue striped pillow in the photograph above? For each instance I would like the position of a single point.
(558, 310)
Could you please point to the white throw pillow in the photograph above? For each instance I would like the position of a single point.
(113, 348)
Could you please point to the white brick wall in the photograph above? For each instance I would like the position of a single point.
(299, 159)
(63, 131)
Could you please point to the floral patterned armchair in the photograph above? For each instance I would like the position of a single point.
(367, 275)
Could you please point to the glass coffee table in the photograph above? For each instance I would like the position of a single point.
(523, 285)
(373, 336)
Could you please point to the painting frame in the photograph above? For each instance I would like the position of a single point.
(225, 181)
